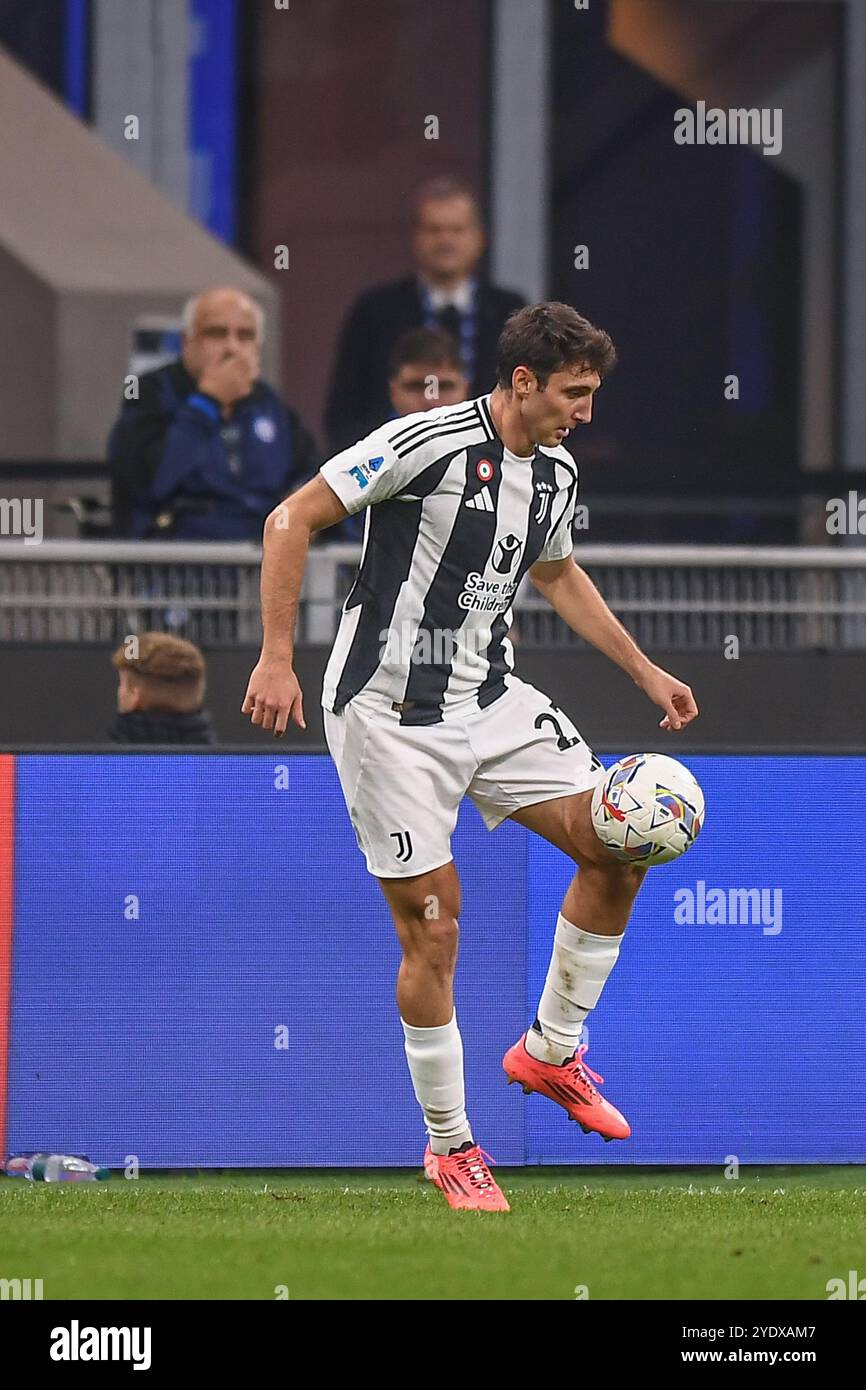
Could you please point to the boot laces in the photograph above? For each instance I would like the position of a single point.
(473, 1167)
(580, 1069)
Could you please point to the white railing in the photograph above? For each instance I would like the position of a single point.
(695, 597)
(680, 597)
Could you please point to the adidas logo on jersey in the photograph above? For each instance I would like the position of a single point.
(481, 502)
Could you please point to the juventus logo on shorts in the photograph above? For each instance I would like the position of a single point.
(544, 491)
(404, 845)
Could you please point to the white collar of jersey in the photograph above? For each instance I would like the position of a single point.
(487, 417)
(461, 296)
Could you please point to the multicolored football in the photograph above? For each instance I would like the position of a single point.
(647, 808)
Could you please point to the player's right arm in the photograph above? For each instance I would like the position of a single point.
(370, 471)
(274, 693)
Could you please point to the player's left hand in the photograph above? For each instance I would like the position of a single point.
(671, 695)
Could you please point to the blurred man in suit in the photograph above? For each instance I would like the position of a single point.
(447, 291)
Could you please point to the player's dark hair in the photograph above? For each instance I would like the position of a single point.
(429, 347)
(548, 337)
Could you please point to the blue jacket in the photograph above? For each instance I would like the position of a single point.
(181, 472)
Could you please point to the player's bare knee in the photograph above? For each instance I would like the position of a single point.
(589, 853)
(429, 898)
(425, 914)
(615, 879)
(438, 941)
(581, 841)
(631, 875)
(431, 944)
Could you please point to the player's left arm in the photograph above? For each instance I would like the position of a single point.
(572, 594)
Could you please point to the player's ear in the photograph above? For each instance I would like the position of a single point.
(521, 379)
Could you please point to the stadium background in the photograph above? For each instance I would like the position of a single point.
(155, 1036)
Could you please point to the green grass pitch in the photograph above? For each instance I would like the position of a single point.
(776, 1233)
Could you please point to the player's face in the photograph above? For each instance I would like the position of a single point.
(551, 413)
(225, 323)
(422, 386)
(448, 239)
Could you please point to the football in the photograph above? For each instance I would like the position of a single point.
(647, 808)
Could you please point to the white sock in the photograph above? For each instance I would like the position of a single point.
(579, 967)
(435, 1057)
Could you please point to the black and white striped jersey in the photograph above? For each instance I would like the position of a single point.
(454, 521)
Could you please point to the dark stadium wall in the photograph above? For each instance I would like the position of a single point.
(694, 268)
(29, 29)
(63, 696)
(337, 147)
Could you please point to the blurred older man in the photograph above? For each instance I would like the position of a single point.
(447, 291)
(208, 448)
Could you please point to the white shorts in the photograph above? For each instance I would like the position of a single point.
(403, 784)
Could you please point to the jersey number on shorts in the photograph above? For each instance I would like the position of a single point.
(563, 742)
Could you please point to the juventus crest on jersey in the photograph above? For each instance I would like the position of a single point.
(454, 521)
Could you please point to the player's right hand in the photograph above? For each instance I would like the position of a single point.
(274, 696)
